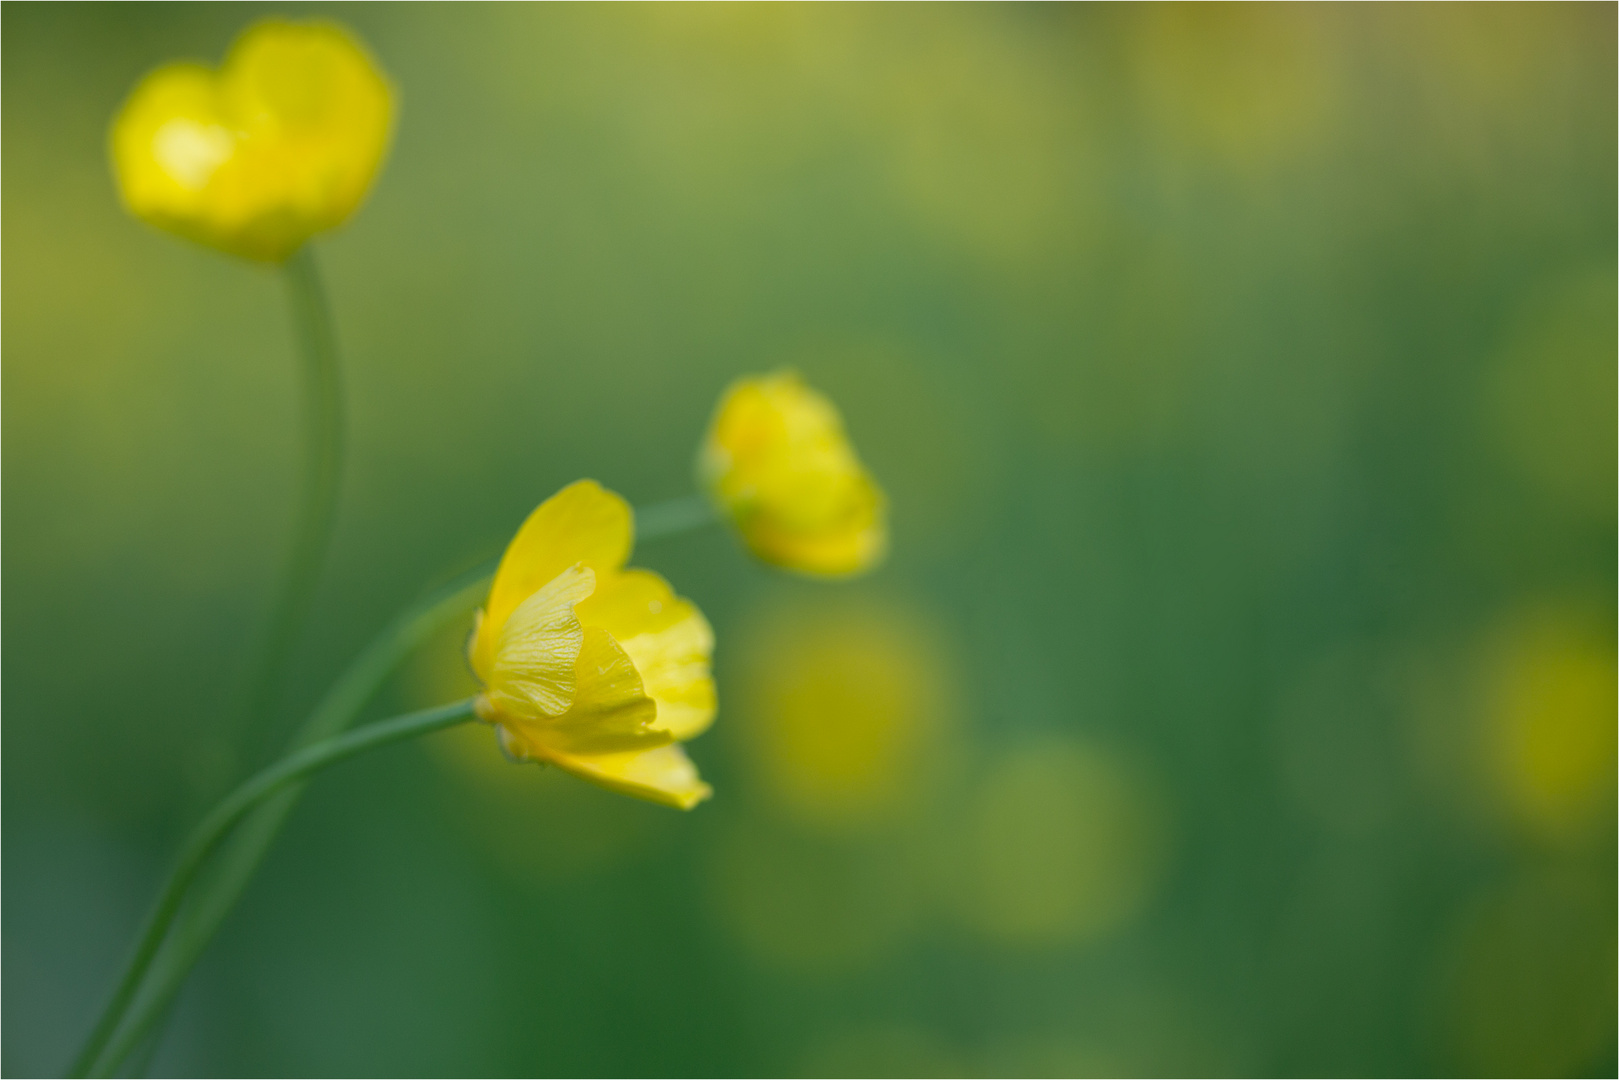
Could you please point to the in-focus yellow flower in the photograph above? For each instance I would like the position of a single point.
(594, 668)
(777, 461)
(280, 143)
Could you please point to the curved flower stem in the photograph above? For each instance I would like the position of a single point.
(218, 824)
(322, 475)
(147, 1004)
(249, 844)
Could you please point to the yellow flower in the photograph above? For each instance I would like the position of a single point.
(279, 144)
(594, 668)
(777, 461)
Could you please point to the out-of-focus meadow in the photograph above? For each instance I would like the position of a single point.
(1239, 696)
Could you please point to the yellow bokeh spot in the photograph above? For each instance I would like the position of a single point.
(1516, 729)
(1062, 844)
(849, 714)
(282, 142)
(1551, 700)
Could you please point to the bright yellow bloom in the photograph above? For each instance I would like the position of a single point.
(777, 461)
(597, 669)
(280, 143)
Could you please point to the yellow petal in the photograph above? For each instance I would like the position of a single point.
(777, 460)
(852, 541)
(611, 711)
(669, 642)
(283, 142)
(534, 670)
(665, 775)
(609, 714)
(582, 523)
(168, 143)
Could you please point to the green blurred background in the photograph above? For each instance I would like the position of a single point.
(1239, 696)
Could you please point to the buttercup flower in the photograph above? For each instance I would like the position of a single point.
(777, 461)
(280, 143)
(594, 668)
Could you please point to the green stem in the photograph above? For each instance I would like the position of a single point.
(673, 516)
(251, 842)
(248, 845)
(322, 475)
(214, 828)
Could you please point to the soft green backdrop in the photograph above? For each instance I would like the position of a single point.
(1239, 697)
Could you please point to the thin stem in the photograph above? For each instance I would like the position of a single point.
(248, 845)
(322, 468)
(213, 829)
(672, 517)
(323, 437)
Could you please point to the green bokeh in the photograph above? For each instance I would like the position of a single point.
(1243, 380)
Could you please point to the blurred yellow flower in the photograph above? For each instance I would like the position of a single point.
(851, 710)
(280, 143)
(594, 668)
(777, 461)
